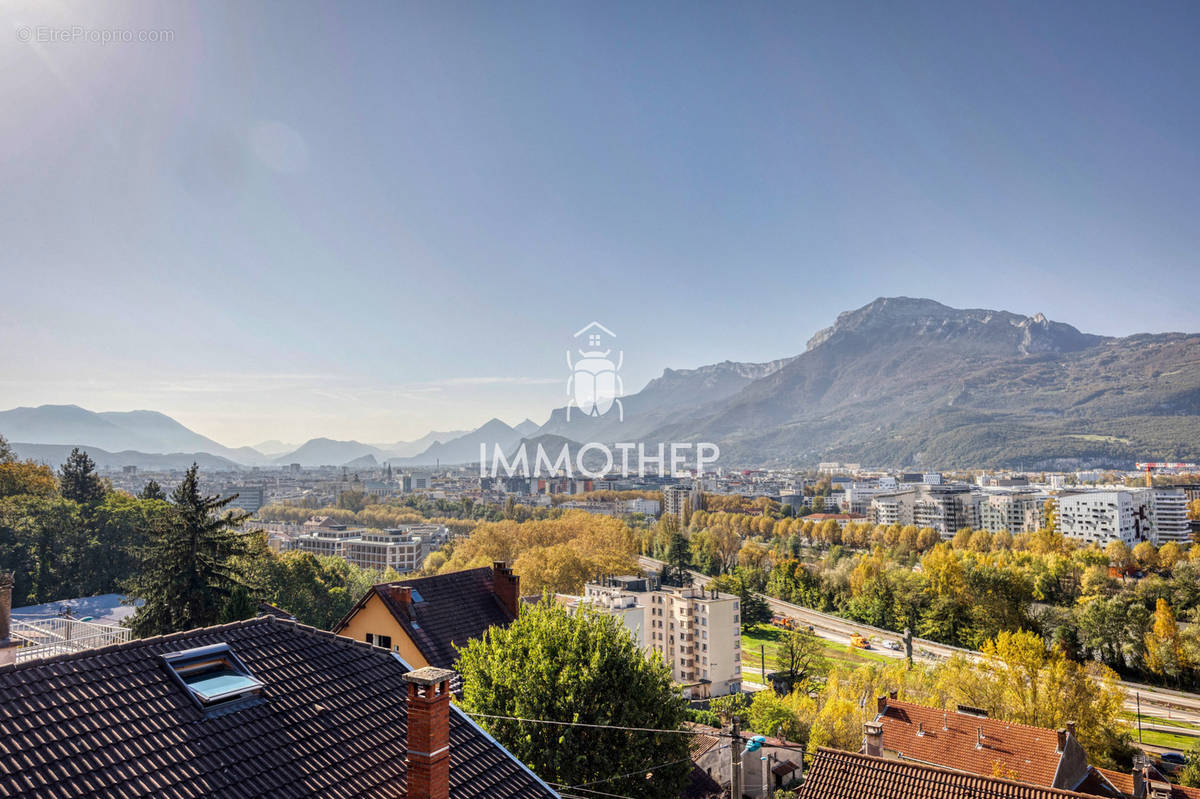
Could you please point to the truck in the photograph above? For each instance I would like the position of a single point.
(860, 641)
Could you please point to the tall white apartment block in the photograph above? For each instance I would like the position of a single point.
(697, 633)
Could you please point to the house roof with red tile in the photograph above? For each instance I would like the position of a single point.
(330, 719)
(849, 775)
(980, 745)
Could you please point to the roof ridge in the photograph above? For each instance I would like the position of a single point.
(912, 764)
(968, 715)
(140, 643)
(410, 580)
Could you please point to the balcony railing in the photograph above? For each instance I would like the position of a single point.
(43, 638)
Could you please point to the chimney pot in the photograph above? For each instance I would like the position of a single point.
(507, 587)
(1071, 729)
(8, 647)
(873, 738)
(401, 593)
(427, 755)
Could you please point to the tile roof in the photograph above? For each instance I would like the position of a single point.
(950, 738)
(846, 775)
(455, 607)
(114, 722)
(1123, 780)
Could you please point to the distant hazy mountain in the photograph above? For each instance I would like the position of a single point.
(527, 427)
(328, 452)
(663, 399)
(404, 449)
(55, 455)
(910, 381)
(274, 447)
(465, 448)
(140, 431)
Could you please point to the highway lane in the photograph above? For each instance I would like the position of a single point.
(1160, 702)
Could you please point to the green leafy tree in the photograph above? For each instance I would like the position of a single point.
(6, 453)
(800, 655)
(152, 490)
(191, 574)
(78, 479)
(1189, 777)
(752, 606)
(557, 666)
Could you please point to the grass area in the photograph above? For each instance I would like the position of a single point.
(1165, 740)
(1148, 719)
(1102, 439)
(765, 635)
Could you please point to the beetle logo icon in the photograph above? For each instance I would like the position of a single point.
(594, 386)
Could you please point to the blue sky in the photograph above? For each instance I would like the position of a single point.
(369, 220)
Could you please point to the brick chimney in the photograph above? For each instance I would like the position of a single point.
(881, 704)
(427, 758)
(1062, 740)
(873, 738)
(8, 647)
(401, 594)
(507, 587)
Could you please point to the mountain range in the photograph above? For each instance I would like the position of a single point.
(898, 382)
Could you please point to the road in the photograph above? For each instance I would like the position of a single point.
(1159, 702)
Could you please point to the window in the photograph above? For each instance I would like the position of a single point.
(213, 675)
(369, 638)
(384, 641)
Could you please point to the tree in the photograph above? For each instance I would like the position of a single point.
(191, 577)
(1190, 775)
(1146, 555)
(78, 479)
(1118, 554)
(679, 556)
(6, 453)
(153, 490)
(553, 665)
(753, 608)
(1164, 646)
(799, 655)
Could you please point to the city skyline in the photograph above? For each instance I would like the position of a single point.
(389, 221)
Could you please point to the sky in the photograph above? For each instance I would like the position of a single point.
(370, 220)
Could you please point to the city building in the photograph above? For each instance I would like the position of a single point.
(1014, 511)
(257, 708)
(697, 632)
(422, 619)
(248, 498)
(1130, 515)
(944, 507)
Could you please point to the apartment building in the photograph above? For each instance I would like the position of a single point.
(696, 632)
(1157, 515)
(1016, 512)
(401, 548)
(946, 508)
(678, 497)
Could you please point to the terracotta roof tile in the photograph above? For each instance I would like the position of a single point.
(846, 775)
(114, 722)
(966, 742)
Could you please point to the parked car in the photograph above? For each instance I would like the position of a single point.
(1171, 763)
(893, 645)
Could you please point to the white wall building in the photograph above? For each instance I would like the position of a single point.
(696, 632)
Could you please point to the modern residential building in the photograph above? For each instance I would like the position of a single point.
(697, 632)
(258, 708)
(1014, 511)
(944, 507)
(422, 619)
(1130, 515)
(248, 498)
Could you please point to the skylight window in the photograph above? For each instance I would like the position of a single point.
(416, 596)
(214, 676)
